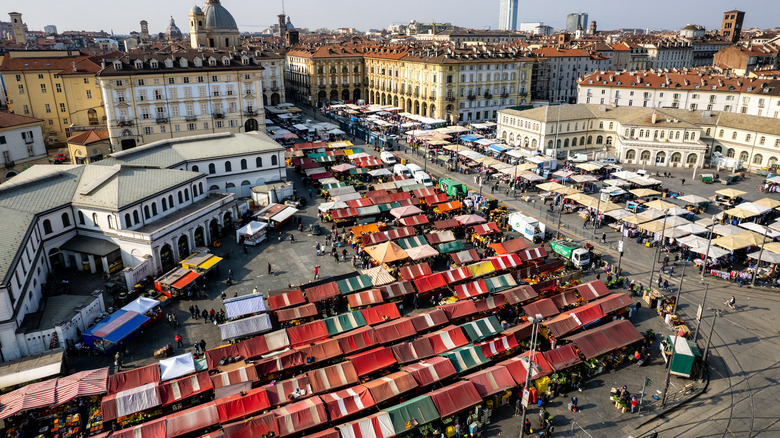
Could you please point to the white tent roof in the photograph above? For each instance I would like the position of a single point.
(141, 305)
(327, 206)
(245, 327)
(760, 229)
(252, 228)
(380, 172)
(177, 366)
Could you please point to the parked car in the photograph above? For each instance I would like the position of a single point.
(60, 159)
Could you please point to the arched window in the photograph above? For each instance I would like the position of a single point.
(212, 169)
(687, 134)
(200, 187)
(645, 156)
(630, 154)
(758, 159)
(128, 223)
(230, 186)
(164, 204)
(574, 141)
(558, 143)
(135, 217)
(243, 164)
(186, 194)
(154, 209)
(47, 226)
(747, 137)
(95, 219)
(718, 148)
(676, 157)
(744, 156)
(691, 160)
(228, 166)
(81, 218)
(111, 222)
(566, 143)
(610, 125)
(590, 139)
(181, 198)
(65, 220)
(259, 162)
(195, 168)
(274, 160)
(599, 139)
(146, 212)
(641, 132)
(677, 135)
(730, 153)
(245, 183)
(170, 201)
(550, 144)
(582, 140)
(213, 188)
(533, 143)
(609, 140)
(761, 140)
(720, 134)
(601, 125)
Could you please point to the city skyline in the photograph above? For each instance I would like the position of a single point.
(123, 18)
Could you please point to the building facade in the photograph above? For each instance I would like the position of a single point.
(319, 75)
(452, 84)
(668, 54)
(58, 87)
(153, 97)
(213, 27)
(565, 66)
(686, 89)
(21, 143)
(507, 15)
(731, 27)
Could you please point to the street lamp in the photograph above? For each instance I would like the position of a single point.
(655, 256)
(535, 320)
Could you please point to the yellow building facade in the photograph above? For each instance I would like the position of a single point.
(325, 74)
(58, 87)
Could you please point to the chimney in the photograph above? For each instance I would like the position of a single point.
(654, 118)
(73, 64)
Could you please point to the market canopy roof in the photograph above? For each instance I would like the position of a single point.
(245, 327)
(466, 357)
(177, 366)
(347, 402)
(244, 305)
(491, 380)
(374, 426)
(563, 357)
(470, 219)
(386, 252)
(766, 256)
(593, 289)
(456, 398)
(518, 366)
(482, 328)
(431, 371)
(644, 192)
(768, 202)
(141, 305)
(738, 241)
(391, 385)
(730, 193)
(429, 319)
(693, 199)
(549, 186)
(600, 340)
(409, 415)
(422, 252)
(405, 211)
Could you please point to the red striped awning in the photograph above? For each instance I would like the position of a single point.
(306, 334)
(174, 391)
(509, 246)
(244, 374)
(518, 367)
(400, 233)
(242, 405)
(32, 396)
(299, 416)
(400, 196)
(151, 429)
(374, 426)
(446, 224)
(430, 282)
(305, 311)
(587, 314)
(411, 221)
(332, 377)
(359, 203)
(413, 351)
(391, 386)
(506, 262)
(438, 237)
(414, 271)
(456, 275)
(357, 340)
(614, 302)
(322, 292)
(372, 361)
(491, 380)
(343, 213)
(459, 309)
(428, 319)
(471, 290)
(364, 298)
(323, 350)
(519, 294)
(498, 345)
(280, 393)
(565, 300)
(447, 338)
(285, 299)
(437, 198)
(546, 307)
(563, 357)
(593, 289)
(532, 254)
(348, 401)
(485, 229)
(455, 398)
(396, 290)
(393, 331)
(380, 314)
(82, 384)
(373, 239)
(431, 371)
(467, 256)
(423, 192)
(490, 303)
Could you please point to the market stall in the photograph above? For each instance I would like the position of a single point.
(245, 327)
(201, 262)
(455, 398)
(252, 233)
(357, 340)
(176, 282)
(115, 330)
(249, 304)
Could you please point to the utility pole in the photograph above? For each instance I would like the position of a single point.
(709, 341)
(642, 394)
(655, 257)
(707, 254)
(758, 262)
(534, 334)
(700, 311)
(679, 289)
(669, 368)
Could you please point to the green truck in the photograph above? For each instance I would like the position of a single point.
(452, 188)
(571, 251)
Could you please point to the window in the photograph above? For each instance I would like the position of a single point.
(81, 218)
(128, 223)
(154, 209)
(146, 212)
(274, 160)
(243, 164)
(195, 168)
(47, 107)
(761, 140)
(228, 166)
(136, 219)
(58, 88)
(164, 204)
(599, 139)
(734, 135)
(65, 220)
(111, 222)
(43, 88)
(147, 130)
(747, 137)
(186, 194)
(89, 94)
(95, 219)
(181, 198)
(212, 168)
(47, 226)
(21, 89)
(259, 162)
(170, 200)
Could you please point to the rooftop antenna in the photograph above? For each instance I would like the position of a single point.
(282, 6)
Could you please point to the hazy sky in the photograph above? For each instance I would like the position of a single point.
(255, 15)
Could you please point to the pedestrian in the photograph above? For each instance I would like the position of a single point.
(666, 285)
(254, 292)
(196, 346)
(205, 315)
(344, 254)
(223, 295)
(416, 300)
(634, 403)
(212, 313)
(671, 271)
(660, 281)
(202, 345)
(682, 182)
(179, 342)
(117, 362)
(542, 418)
(457, 429)
(292, 238)
(197, 311)
(192, 310)
(269, 269)
(603, 237)
(316, 272)
(517, 407)
(573, 404)
(527, 427)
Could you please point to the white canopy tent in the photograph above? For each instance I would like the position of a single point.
(177, 366)
(141, 305)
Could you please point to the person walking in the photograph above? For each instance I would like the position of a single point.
(634, 404)
(527, 427)
(660, 281)
(179, 342)
(517, 407)
(603, 237)
(205, 315)
(197, 311)
(666, 285)
(317, 272)
(117, 362)
(269, 269)
(212, 314)
(202, 345)
(292, 238)
(682, 182)
(192, 311)
(196, 346)
(573, 404)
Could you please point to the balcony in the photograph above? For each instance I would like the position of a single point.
(125, 122)
(472, 96)
(190, 118)
(321, 86)
(162, 120)
(488, 96)
(250, 112)
(450, 98)
(218, 115)
(504, 95)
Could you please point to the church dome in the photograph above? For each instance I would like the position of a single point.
(173, 32)
(195, 10)
(217, 17)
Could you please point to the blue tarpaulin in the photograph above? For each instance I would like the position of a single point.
(119, 326)
(498, 148)
(469, 138)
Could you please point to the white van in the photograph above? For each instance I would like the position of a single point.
(414, 168)
(388, 158)
(423, 178)
(401, 170)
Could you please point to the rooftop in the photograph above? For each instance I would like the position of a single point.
(9, 120)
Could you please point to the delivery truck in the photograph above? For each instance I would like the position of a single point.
(571, 251)
(532, 229)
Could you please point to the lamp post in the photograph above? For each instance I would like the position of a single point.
(535, 320)
(669, 369)
(596, 219)
(655, 257)
(707, 253)
(698, 313)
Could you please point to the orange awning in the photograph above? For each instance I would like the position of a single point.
(184, 281)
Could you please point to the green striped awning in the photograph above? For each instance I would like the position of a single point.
(316, 155)
(387, 207)
(354, 284)
(371, 210)
(466, 358)
(502, 282)
(412, 187)
(420, 409)
(358, 171)
(326, 159)
(482, 328)
(412, 242)
(344, 322)
(448, 247)
(331, 186)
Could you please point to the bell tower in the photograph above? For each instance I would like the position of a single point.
(197, 31)
(20, 36)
